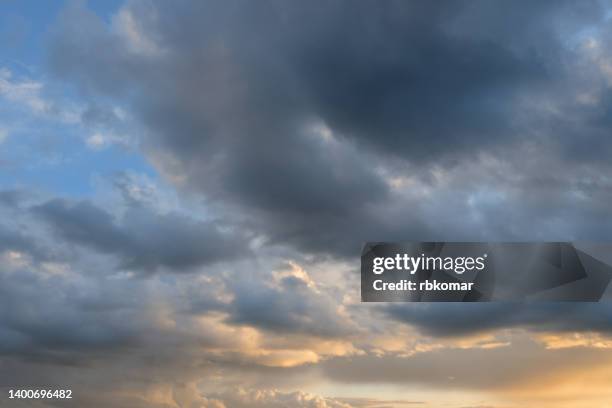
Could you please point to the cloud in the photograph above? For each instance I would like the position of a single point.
(4, 134)
(14, 241)
(524, 363)
(26, 92)
(80, 313)
(322, 126)
(142, 239)
(289, 304)
(449, 320)
(85, 255)
(187, 395)
(274, 398)
(30, 94)
(292, 133)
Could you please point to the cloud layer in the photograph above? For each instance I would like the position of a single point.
(283, 135)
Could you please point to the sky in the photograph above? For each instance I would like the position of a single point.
(185, 188)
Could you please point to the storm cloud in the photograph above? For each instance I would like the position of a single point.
(320, 124)
(144, 240)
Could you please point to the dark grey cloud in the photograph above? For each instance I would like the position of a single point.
(416, 79)
(12, 198)
(61, 329)
(12, 240)
(297, 116)
(17, 237)
(393, 75)
(447, 320)
(113, 337)
(291, 306)
(74, 247)
(54, 308)
(142, 239)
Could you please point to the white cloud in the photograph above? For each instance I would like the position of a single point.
(129, 29)
(276, 399)
(3, 135)
(29, 93)
(24, 92)
(96, 141)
